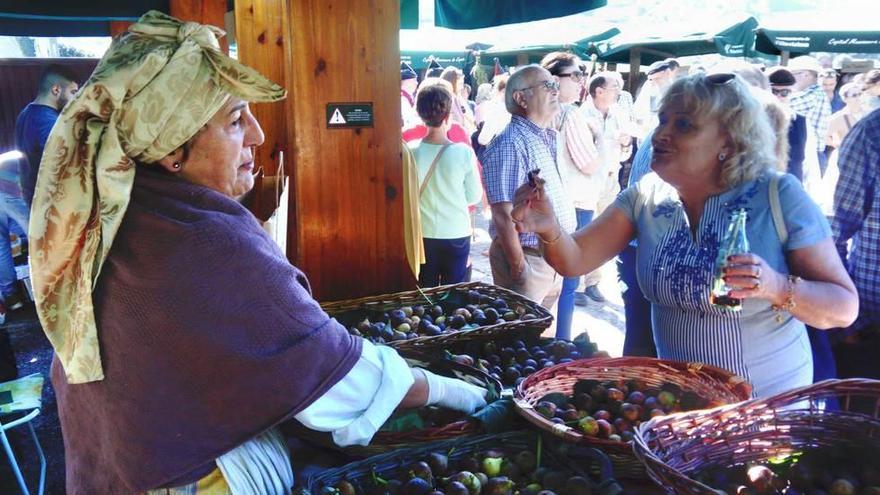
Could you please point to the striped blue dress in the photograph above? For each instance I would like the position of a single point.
(675, 269)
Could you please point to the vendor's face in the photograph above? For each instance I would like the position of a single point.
(221, 155)
(686, 147)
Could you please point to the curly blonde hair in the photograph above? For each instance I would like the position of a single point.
(727, 98)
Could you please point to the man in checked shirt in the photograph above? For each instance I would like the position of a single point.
(811, 102)
(525, 145)
(857, 218)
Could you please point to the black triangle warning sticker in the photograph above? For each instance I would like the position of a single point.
(337, 118)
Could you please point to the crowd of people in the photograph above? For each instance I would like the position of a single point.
(654, 181)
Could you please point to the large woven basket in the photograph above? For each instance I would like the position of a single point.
(677, 446)
(392, 464)
(386, 441)
(708, 382)
(439, 295)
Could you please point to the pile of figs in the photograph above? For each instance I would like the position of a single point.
(612, 409)
(492, 472)
(510, 362)
(818, 471)
(471, 310)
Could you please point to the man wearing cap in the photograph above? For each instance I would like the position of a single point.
(408, 83)
(811, 102)
(661, 74)
(782, 86)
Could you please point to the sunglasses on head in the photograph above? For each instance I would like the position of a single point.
(548, 85)
(720, 78)
(780, 92)
(576, 76)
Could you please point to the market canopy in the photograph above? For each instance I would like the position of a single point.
(532, 53)
(798, 33)
(70, 18)
(732, 40)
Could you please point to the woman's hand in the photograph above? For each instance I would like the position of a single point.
(532, 210)
(751, 277)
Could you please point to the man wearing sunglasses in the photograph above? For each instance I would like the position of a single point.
(527, 144)
(579, 161)
(782, 84)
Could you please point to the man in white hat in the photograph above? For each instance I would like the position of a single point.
(811, 101)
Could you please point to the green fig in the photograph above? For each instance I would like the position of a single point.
(492, 466)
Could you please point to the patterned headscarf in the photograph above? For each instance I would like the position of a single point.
(155, 88)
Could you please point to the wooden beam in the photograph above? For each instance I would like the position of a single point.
(635, 66)
(201, 11)
(260, 27)
(118, 27)
(348, 209)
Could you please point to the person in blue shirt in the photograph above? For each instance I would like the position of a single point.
(57, 87)
(713, 154)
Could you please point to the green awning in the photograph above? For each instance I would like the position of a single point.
(420, 59)
(775, 41)
(66, 18)
(533, 53)
(475, 14)
(732, 40)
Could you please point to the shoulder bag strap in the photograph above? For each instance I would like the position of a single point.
(776, 209)
(431, 170)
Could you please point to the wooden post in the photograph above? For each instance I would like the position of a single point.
(201, 11)
(784, 57)
(347, 232)
(118, 27)
(635, 66)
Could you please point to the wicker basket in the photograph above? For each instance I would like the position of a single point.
(676, 446)
(387, 441)
(392, 464)
(343, 310)
(708, 382)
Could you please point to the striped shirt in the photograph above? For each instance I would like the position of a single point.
(813, 104)
(675, 271)
(521, 147)
(857, 214)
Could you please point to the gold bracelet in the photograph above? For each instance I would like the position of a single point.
(789, 303)
(555, 239)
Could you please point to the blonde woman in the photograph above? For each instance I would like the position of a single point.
(714, 154)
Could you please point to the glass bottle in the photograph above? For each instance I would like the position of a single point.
(733, 242)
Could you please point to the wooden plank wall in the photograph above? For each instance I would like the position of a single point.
(347, 183)
(202, 11)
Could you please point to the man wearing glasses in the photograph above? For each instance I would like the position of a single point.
(810, 101)
(803, 162)
(527, 144)
(579, 161)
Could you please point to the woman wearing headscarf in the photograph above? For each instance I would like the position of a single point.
(713, 154)
(183, 337)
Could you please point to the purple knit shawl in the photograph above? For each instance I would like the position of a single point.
(208, 335)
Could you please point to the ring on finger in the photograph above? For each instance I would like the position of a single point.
(757, 285)
(758, 275)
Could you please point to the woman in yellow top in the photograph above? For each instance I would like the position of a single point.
(449, 183)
